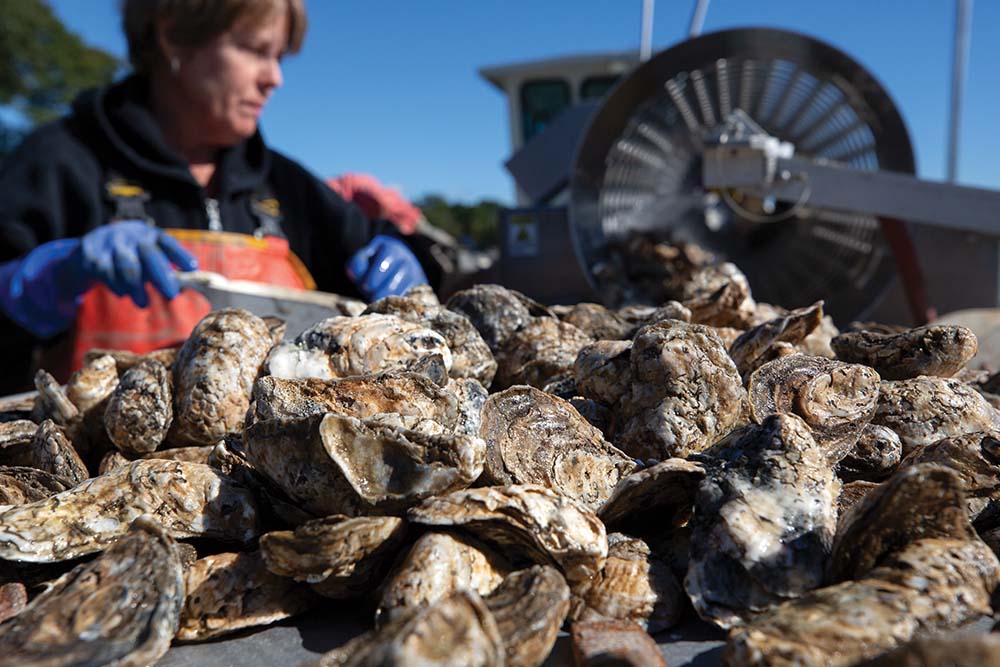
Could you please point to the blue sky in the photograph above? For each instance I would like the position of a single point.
(390, 87)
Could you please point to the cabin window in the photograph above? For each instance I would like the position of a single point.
(541, 101)
(597, 86)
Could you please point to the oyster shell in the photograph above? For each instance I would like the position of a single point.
(125, 359)
(976, 459)
(598, 322)
(931, 585)
(774, 338)
(496, 312)
(340, 346)
(726, 305)
(456, 631)
(603, 370)
(981, 650)
(852, 493)
(362, 396)
(919, 501)
(340, 557)
(230, 591)
(654, 497)
(20, 485)
(89, 389)
(618, 643)
(13, 600)
(48, 450)
(537, 352)
(634, 585)
(52, 402)
(874, 456)
(335, 464)
(535, 438)
(120, 609)
(437, 565)
(471, 397)
(188, 499)
(685, 392)
(764, 522)
(140, 410)
(835, 399)
(214, 374)
(942, 350)
(926, 409)
(471, 356)
(528, 607)
(549, 527)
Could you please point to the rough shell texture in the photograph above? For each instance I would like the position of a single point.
(343, 346)
(214, 375)
(471, 396)
(495, 311)
(722, 305)
(335, 464)
(540, 350)
(549, 527)
(230, 591)
(634, 585)
(603, 370)
(13, 600)
(140, 410)
(655, 497)
(926, 409)
(341, 557)
(457, 631)
(362, 396)
(529, 606)
(774, 338)
(618, 643)
(121, 609)
(932, 585)
(437, 565)
(92, 384)
(685, 392)
(535, 438)
(764, 522)
(20, 485)
(967, 651)
(471, 356)
(598, 322)
(835, 399)
(125, 359)
(940, 350)
(51, 402)
(48, 450)
(188, 499)
(976, 459)
(874, 456)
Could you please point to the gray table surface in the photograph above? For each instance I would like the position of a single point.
(294, 641)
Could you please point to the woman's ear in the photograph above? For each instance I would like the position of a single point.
(167, 48)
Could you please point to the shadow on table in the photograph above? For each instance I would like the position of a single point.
(332, 626)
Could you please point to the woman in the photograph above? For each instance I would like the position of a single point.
(168, 167)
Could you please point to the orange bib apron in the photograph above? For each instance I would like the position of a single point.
(105, 320)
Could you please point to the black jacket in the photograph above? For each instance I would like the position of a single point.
(53, 187)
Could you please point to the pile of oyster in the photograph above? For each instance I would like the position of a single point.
(478, 475)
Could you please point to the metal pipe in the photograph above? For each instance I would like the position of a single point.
(698, 18)
(646, 31)
(960, 57)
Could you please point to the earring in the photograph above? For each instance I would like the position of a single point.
(175, 64)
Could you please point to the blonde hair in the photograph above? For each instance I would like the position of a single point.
(195, 22)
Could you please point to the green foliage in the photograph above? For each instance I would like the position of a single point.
(43, 65)
(475, 224)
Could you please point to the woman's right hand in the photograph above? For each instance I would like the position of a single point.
(42, 290)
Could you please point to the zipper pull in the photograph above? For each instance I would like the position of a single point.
(214, 218)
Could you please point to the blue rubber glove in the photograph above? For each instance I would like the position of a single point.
(42, 290)
(385, 267)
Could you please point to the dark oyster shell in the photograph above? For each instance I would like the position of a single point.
(140, 410)
(940, 349)
(529, 606)
(614, 643)
(875, 455)
(764, 522)
(121, 609)
(231, 591)
(598, 322)
(341, 557)
(535, 438)
(835, 399)
(20, 485)
(48, 449)
(774, 338)
(653, 498)
(437, 565)
(685, 392)
(603, 370)
(540, 350)
(633, 585)
(548, 527)
(495, 311)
